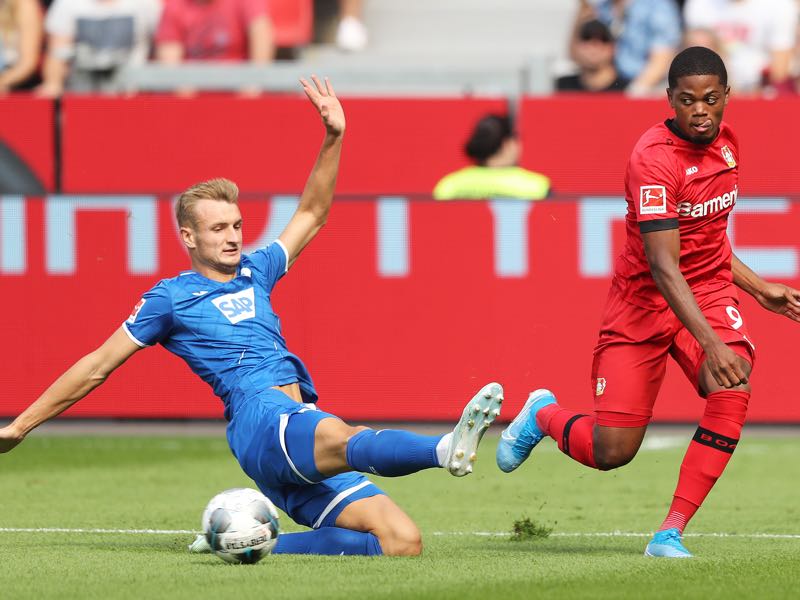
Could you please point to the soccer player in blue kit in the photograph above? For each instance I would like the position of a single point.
(219, 319)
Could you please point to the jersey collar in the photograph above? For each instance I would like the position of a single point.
(670, 123)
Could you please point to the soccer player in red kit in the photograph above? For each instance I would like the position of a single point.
(673, 294)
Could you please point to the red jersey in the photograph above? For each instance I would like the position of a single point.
(672, 183)
(216, 30)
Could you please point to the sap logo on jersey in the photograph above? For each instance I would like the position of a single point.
(237, 307)
(652, 199)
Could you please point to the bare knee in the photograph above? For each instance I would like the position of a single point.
(615, 447)
(330, 445)
(404, 540)
(607, 459)
(335, 439)
(397, 534)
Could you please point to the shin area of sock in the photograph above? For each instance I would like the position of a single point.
(334, 541)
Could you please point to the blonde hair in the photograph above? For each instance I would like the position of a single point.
(220, 189)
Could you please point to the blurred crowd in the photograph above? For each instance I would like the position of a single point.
(614, 45)
(55, 45)
(629, 44)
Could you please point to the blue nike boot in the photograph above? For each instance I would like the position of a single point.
(667, 544)
(522, 434)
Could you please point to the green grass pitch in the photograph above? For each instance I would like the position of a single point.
(164, 482)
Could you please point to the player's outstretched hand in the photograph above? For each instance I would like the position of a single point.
(781, 299)
(9, 439)
(324, 99)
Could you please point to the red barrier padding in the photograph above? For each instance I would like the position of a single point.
(164, 144)
(26, 125)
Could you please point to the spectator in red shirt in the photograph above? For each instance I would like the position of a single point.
(215, 30)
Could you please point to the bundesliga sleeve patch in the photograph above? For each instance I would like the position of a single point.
(652, 200)
(135, 311)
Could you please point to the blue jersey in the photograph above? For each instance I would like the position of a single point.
(226, 332)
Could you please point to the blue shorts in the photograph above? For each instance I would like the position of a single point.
(272, 437)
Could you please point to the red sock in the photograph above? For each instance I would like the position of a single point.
(571, 430)
(708, 454)
(680, 511)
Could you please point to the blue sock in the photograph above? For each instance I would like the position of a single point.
(328, 540)
(391, 452)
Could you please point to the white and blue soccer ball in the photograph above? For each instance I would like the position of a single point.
(241, 525)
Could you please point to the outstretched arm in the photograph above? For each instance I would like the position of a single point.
(663, 254)
(315, 203)
(777, 297)
(80, 379)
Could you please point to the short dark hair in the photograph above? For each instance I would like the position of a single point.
(595, 30)
(697, 60)
(487, 137)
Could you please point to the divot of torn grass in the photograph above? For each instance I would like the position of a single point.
(525, 529)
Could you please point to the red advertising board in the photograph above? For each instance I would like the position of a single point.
(401, 308)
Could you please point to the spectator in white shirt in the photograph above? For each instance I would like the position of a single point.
(89, 40)
(755, 37)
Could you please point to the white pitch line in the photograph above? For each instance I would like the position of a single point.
(123, 531)
(768, 536)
